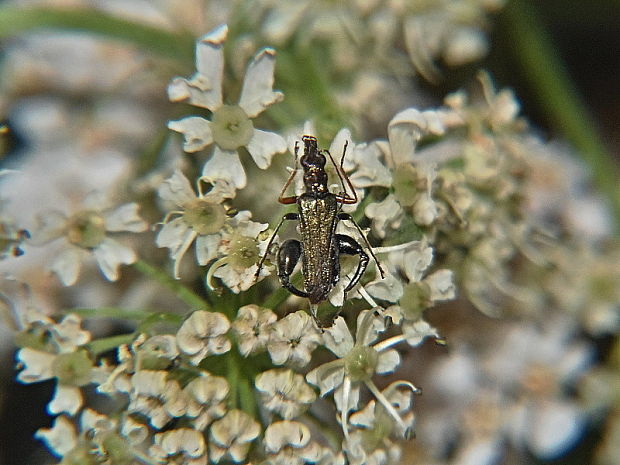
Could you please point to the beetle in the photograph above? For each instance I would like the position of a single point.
(318, 214)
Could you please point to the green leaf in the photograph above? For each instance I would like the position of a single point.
(179, 46)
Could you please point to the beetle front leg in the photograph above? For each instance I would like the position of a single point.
(287, 217)
(348, 245)
(289, 254)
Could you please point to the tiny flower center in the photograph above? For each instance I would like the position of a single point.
(73, 369)
(416, 298)
(80, 455)
(405, 185)
(243, 251)
(204, 217)
(231, 127)
(361, 363)
(374, 437)
(86, 229)
(117, 449)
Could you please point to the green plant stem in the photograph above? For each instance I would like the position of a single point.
(182, 292)
(559, 97)
(110, 312)
(100, 346)
(172, 45)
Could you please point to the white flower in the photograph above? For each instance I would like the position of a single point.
(375, 422)
(293, 339)
(358, 361)
(203, 334)
(241, 246)
(206, 395)
(252, 328)
(289, 443)
(411, 260)
(201, 218)
(230, 437)
(385, 215)
(284, 392)
(156, 397)
(85, 233)
(230, 126)
(70, 365)
(183, 446)
(61, 438)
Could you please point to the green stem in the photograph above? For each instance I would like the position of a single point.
(233, 375)
(558, 95)
(182, 292)
(246, 397)
(100, 346)
(110, 312)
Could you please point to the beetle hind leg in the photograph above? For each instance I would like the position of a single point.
(289, 254)
(349, 246)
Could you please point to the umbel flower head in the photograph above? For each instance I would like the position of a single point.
(85, 232)
(230, 126)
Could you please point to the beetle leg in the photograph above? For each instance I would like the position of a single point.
(348, 245)
(288, 255)
(347, 217)
(287, 217)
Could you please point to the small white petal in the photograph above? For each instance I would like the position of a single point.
(177, 189)
(338, 338)
(173, 235)
(110, 255)
(125, 218)
(224, 165)
(389, 289)
(196, 132)
(285, 433)
(417, 260)
(327, 376)
(204, 89)
(67, 399)
(206, 248)
(416, 331)
(61, 438)
(264, 145)
(50, 226)
(37, 365)
(257, 93)
(67, 265)
(442, 285)
(388, 362)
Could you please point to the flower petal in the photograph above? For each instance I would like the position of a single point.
(67, 399)
(67, 265)
(196, 132)
(125, 218)
(388, 362)
(61, 438)
(206, 248)
(37, 365)
(110, 254)
(177, 189)
(224, 165)
(204, 89)
(264, 145)
(257, 93)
